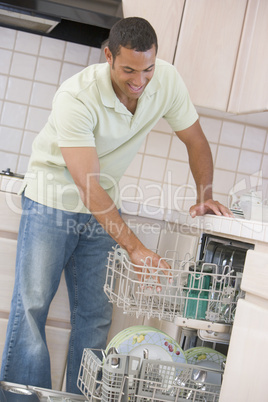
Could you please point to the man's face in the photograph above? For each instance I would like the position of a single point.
(131, 71)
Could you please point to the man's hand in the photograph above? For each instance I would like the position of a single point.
(142, 256)
(210, 207)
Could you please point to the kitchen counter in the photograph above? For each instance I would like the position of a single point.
(235, 227)
(248, 230)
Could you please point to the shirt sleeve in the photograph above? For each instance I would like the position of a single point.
(182, 113)
(73, 122)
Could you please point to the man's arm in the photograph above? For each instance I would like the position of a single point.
(83, 165)
(201, 165)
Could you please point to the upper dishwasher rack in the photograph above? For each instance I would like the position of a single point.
(196, 294)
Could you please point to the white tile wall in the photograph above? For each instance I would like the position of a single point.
(26, 43)
(13, 115)
(158, 144)
(7, 38)
(177, 172)
(250, 162)
(23, 65)
(48, 70)
(3, 84)
(52, 48)
(153, 168)
(42, 95)
(231, 134)
(254, 139)
(5, 61)
(227, 158)
(10, 139)
(150, 192)
(77, 54)
(31, 69)
(18, 90)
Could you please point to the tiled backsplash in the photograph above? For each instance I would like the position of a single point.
(31, 69)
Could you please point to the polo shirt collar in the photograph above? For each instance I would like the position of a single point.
(107, 94)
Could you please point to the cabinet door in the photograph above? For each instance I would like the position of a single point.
(10, 212)
(250, 86)
(245, 375)
(7, 272)
(165, 17)
(207, 49)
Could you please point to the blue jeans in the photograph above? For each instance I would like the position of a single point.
(49, 242)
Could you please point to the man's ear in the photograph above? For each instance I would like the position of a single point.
(108, 55)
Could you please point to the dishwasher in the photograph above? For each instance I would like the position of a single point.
(200, 296)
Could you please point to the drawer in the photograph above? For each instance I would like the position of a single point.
(10, 212)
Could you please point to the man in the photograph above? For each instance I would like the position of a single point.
(70, 216)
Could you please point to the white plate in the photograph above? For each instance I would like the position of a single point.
(160, 345)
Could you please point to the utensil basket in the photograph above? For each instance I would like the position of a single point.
(198, 295)
(146, 380)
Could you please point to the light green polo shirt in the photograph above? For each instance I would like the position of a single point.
(87, 113)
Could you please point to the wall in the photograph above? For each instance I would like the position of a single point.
(31, 69)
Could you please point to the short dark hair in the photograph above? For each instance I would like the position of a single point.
(133, 33)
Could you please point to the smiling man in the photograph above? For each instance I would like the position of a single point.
(71, 218)
(131, 72)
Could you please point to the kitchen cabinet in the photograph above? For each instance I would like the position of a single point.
(220, 48)
(165, 17)
(246, 376)
(250, 85)
(207, 49)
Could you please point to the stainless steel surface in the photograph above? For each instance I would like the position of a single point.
(16, 393)
(75, 18)
(9, 173)
(223, 251)
(145, 353)
(11, 392)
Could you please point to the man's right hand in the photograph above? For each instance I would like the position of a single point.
(142, 256)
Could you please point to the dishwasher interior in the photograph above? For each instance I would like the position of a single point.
(200, 296)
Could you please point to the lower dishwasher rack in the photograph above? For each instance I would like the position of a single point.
(195, 295)
(127, 378)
